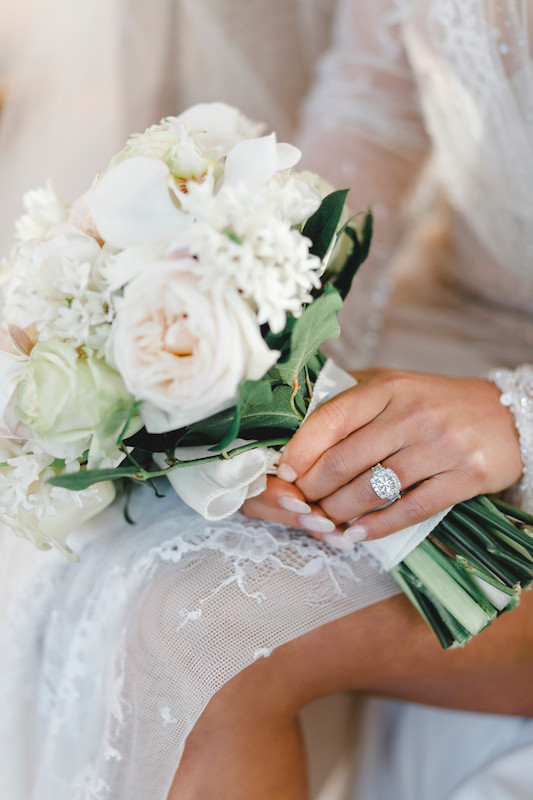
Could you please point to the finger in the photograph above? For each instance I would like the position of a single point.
(329, 424)
(287, 496)
(417, 505)
(411, 465)
(269, 506)
(353, 456)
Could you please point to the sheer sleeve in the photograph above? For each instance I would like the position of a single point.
(362, 129)
(516, 386)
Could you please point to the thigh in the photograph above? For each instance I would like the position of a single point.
(388, 650)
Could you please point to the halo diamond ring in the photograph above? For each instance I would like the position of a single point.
(385, 483)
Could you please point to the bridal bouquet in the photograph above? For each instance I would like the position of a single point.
(178, 306)
(171, 320)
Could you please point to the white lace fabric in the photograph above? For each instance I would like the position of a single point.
(112, 678)
(106, 665)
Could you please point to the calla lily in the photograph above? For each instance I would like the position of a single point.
(131, 204)
(254, 162)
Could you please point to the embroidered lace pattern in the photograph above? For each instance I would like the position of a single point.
(159, 617)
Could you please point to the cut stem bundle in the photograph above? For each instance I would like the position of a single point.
(470, 569)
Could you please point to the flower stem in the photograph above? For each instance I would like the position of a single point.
(143, 474)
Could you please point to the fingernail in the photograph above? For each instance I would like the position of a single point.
(293, 504)
(356, 533)
(338, 542)
(317, 524)
(286, 473)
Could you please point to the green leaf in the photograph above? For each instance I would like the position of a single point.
(368, 232)
(317, 323)
(88, 477)
(211, 430)
(272, 414)
(252, 394)
(321, 227)
(281, 341)
(359, 254)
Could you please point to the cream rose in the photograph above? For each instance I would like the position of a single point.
(70, 400)
(184, 346)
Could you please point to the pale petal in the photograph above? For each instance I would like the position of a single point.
(131, 204)
(260, 357)
(287, 156)
(252, 163)
(218, 126)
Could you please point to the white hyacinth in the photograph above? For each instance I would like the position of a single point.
(245, 238)
(44, 210)
(54, 289)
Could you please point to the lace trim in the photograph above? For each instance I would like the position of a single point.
(517, 394)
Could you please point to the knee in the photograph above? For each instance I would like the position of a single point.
(198, 639)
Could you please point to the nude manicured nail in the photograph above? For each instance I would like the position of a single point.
(356, 533)
(293, 504)
(317, 524)
(338, 541)
(286, 473)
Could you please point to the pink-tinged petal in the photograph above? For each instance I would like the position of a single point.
(131, 204)
(20, 339)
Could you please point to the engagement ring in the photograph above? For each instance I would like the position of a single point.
(385, 483)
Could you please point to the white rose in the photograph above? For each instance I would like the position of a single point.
(67, 400)
(51, 530)
(185, 346)
(171, 143)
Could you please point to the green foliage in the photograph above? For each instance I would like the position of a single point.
(322, 226)
(359, 254)
(317, 324)
(87, 477)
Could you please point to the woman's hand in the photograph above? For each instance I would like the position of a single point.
(449, 438)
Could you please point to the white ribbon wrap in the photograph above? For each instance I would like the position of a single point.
(219, 488)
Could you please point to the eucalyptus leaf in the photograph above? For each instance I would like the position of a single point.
(273, 414)
(317, 324)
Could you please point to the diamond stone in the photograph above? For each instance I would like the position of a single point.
(385, 483)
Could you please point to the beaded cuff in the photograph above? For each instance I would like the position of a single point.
(517, 394)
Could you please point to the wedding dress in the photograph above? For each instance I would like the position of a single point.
(107, 665)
